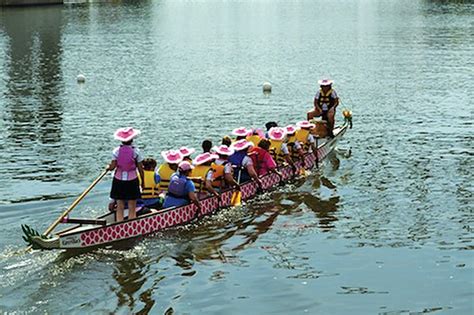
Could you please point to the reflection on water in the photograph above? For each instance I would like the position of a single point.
(33, 109)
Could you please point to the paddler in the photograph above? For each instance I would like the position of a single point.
(150, 186)
(294, 147)
(244, 168)
(278, 147)
(262, 159)
(325, 103)
(241, 133)
(304, 136)
(126, 160)
(172, 159)
(181, 189)
(202, 174)
(269, 125)
(222, 168)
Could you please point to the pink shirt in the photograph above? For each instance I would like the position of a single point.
(262, 160)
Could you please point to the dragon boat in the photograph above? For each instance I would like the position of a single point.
(105, 231)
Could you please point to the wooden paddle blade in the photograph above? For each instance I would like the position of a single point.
(236, 199)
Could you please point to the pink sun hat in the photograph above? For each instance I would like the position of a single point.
(224, 150)
(172, 156)
(305, 124)
(204, 158)
(290, 129)
(242, 131)
(126, 134)
(325, 82)
(241, 145)
(186, 151)
(185, 166)
(277, 133)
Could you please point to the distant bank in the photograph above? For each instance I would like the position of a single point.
(28, 2)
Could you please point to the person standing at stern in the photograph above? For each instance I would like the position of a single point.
(325, 103)
(126, 159)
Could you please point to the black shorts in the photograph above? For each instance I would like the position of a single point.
(125, 189)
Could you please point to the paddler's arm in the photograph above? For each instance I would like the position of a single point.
(194, 199)
(229, 179)
(209, 188)
(253, 174)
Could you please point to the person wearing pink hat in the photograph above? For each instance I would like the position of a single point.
(294, 146)
(186, 153)
(325, 103)
(304, 136)
(243, 164)
(222, 168)
(181, 189)
(169, 167)
(126, 160)
(241, 133)
(278, 147)
(202, 173)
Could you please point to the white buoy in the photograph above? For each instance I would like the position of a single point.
(267, 87)
(81, 78)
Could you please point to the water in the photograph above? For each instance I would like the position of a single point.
(387, 230)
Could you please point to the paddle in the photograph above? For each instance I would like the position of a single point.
(74, 204)
(236, 199)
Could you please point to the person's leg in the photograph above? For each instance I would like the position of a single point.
(132, 209)
(119, 211)
(331, 117)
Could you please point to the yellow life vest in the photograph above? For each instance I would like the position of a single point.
(275, 151)
(255, 139)
(302, 137)
(151, 188)
(165, 172)
(200, 171)
(325, 98)
(291, 147)
(218, 175)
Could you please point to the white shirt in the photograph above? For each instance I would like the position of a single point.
(247, 161)
(284, 149)
(209, 175)
(227, 165)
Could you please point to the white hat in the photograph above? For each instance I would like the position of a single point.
(325, 82)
